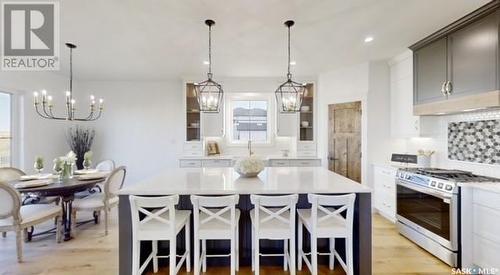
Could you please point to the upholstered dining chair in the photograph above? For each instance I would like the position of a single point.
(18, 218)
(98, 202)
(10, 174)
(105, 165)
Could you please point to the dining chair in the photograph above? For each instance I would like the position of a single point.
(107, 165)
(11, 174)
(156, 219)
(215, 218)
(18, 218)
(325, 220)
(98, 202)
(273, 218)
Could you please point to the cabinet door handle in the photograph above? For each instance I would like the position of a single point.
(443, 88)
(449, 88)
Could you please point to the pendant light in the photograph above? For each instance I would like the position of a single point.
(209, 93)
(289, 95)
(47, 106)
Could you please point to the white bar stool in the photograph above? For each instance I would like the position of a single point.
(324, 220)
(215, 218)
(161, 224)
(273, 218)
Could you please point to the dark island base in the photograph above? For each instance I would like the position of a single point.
(362, 238)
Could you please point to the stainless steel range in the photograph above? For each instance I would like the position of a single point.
(428, 208)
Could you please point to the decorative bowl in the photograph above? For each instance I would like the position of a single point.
(249, 167)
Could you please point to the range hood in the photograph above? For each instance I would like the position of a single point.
(483, 101)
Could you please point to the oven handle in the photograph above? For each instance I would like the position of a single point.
(431, 192)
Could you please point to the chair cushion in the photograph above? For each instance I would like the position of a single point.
(92, 202)
(33, 212)
(155, 229)
(335, 226)
(272, 228)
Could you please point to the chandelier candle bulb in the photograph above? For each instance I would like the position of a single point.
(35, 97)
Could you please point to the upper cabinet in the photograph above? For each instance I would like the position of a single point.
(457, 68)
(473, 60)
(200, 124)
(430, 72)
(306, 116)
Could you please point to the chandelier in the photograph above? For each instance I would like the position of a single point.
(289, 95)
(45, 106)
(209, 93)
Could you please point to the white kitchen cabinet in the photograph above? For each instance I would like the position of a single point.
(480, 240)
(305, 162)
(217, 163)
(286, 124)
(384, 184)
(279, 163)
(403, 123)
(189, 163)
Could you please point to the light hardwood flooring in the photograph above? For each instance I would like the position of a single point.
(93, 253)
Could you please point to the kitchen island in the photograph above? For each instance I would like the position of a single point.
(273, 180)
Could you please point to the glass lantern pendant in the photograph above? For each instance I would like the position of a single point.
(289, 95)
(209, 93)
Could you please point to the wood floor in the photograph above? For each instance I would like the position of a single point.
(93, 253)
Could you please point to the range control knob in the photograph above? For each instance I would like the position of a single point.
(440, 185)
(433, 183)
(449, 187)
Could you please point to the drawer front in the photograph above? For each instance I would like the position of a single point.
(217, 163)
(303, 146)
(193, 153)
(486, 223)
(385, 171)
(305, 163)
(306, 153)
(189, 163)
(193, 147)
(485, 198)
(279, 163)
(485, 253)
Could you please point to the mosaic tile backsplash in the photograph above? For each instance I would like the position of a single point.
(474, 141)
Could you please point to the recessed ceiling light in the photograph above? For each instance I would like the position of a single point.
(368, 39)
(206, 62)
(293, 63)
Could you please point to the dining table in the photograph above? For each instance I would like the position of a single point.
(65, 189)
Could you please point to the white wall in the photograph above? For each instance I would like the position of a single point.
(365, 82)
(35, 136)
(142, 125)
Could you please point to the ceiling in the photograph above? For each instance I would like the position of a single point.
(164, 39)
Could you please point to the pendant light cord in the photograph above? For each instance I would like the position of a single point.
(289, 75)
(71, 74)
(210, 51)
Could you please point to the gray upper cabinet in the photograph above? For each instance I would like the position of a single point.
(473, 57)
(430, 64)
(457, 68)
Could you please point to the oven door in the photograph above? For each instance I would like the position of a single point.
(429, 212)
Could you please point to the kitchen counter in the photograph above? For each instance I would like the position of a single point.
(220, 181)
(271, 181)
(230, 157)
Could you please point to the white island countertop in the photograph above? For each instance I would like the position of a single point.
(220, 181)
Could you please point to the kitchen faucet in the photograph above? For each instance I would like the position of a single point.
(250, 153)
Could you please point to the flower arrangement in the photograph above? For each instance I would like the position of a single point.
(249, 166)
(38, 164)
(64, 165)
(87, 159)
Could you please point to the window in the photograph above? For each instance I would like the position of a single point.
(250, 121)
(5, 130)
